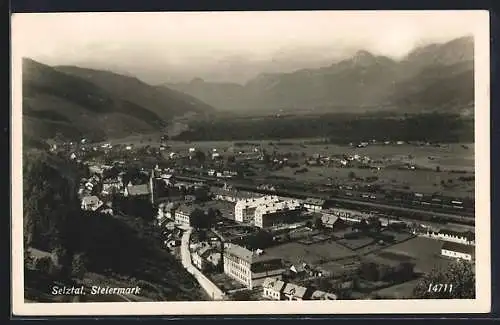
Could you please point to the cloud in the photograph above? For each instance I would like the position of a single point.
(140, 40)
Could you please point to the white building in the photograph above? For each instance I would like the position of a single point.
(244, 210)
(183, 215)
(465, 238)
(458, 251)
(314, 205)
(91, 203)
(199, 259)
(166, 211)
(249, 268)
(273, 289)
(268, 214)
(110, 185)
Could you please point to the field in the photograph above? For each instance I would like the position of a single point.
(357, 243)
(399, 291)
(424, 252)
(314, 254)
(448, 157)
(366, 244)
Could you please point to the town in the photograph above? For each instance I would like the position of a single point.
(245, 237)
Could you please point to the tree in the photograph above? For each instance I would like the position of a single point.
(202, 235)
(245, 295)
(370, 271)
(44, 264)
(318, 223)
(79, 266)
(458, 281)
(200, 156)
(28, 259)
(309, 224)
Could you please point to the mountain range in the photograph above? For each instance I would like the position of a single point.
(432, 77)
(76, 102)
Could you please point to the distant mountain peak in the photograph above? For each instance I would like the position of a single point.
(363, 54)
(197, 81)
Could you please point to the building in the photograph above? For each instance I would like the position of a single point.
(91, 203)
(351, 216)
(232, 196)
(321, 295)
(299, 269)
(111, 185)
(198, 257)
(183, 215)
(295, 292)
(250, 268)
(314, 205)
(244, 210)
(141, 190)
(458, 251)
(330, 221)
(213, 258)
(273, 289)
(273, 213)
(166, 211)
(466, 237)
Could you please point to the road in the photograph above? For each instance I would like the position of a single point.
(210, 288)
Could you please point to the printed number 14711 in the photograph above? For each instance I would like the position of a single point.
(440, 287)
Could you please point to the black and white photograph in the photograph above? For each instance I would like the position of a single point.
(279, 162)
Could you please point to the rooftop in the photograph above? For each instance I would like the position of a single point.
(460, 248)
(273, 284)
(322, 295)
(468, 234)
(247, 255)
(90, 199)
(235, 193)
(314, 201)
(142, 189)
(254, 202)
(328, 219)
(295, 290)
(187, 208)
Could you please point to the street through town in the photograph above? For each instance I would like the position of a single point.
(210, 288)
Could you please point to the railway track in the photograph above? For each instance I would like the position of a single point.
(405, 208)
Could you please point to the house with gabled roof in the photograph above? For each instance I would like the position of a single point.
(322, 295)
(273, 288)
(296, 292)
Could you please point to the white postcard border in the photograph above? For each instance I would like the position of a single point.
(481, 304)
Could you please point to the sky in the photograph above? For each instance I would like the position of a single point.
(226, 46)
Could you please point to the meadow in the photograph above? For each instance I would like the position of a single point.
(424, 252)
(315, 254)
(425, 179)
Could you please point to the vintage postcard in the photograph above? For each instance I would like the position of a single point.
(286, 162)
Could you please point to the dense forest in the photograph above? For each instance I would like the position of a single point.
(433, 127)
(112, 246)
